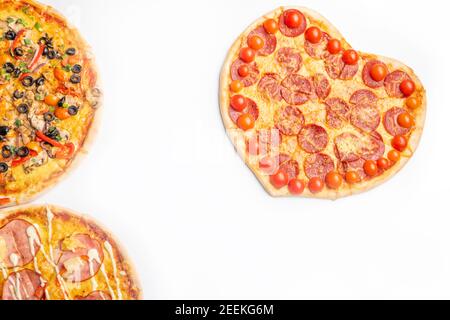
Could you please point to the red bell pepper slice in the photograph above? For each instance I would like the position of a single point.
(43, 137)
(21, 161)
(66, 152)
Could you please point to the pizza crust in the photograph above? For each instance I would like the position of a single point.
(234, 135)
(91, 132)
(120, 253)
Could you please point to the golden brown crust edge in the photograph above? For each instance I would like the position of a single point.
(327, 193)
(92, 130)
(120, 252)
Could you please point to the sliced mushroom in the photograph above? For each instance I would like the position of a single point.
(36, 162)
(94, 96)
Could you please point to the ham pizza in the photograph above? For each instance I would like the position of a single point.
(49, 96)
(312, 116)
(50, 253)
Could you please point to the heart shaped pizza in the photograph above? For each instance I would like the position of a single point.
(313, 117)
(51, 253)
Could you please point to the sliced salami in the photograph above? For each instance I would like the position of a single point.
(355, 166)
(251, 109)
(313, 138)
(390, 122)
(289, 120)
(372, 146)
(15, 241)
(24, 285)
(290, 60)
(318, 165)
(291, 168)
(338, 112)
(296, 89)
(367, 78)
(249, 80)
(317, 50)
(337, 69)
(270, 86)
(321, 85)
(79, 257)
(270, 41)
(393, 81)
(288, 32)
(365, 117)
(95, 295)
(347, 147)
(364, 97)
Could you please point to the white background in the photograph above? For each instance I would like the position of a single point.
(164, 178)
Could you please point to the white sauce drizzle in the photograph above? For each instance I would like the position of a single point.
(93, 256)
(109, 249)
(15, 283)
(108, 284)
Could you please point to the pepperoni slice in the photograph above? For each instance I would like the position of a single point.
(95, 295)
(365, 117)
(288, 32)
(270, 85)
(338, 112)
(291, 168)
(79, 257)
(321, 85)
(313, 138)
(364, 96)
(337, 69)
(296, 89)
(289, 120)
(249, 80)
(390, 122)
(356, 166)
(367, 78)
(372, 146)
(24, 285)
(318, 165)
(15, 249)
(318, 50)
(392, 83)
(347, 147)
(270, 41)
(251, 109)
(289, 59)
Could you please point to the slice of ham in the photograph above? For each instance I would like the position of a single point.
(79, 257)
(95, 295)
(24, 285)
(249, 80)
(15, 248)
(270, 41)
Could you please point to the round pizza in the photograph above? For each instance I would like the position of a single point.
(313, 117)
(48, 98)
(51, 253)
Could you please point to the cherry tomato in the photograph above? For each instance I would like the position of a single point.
(236, 86)
(60, 75)
(399, 143)
(293, 19)
(315, 185)
(247, 54)
(352, 177)
(378, 72)
(333, 180)
(405, 120)
(255, 43)
(246, 122)
(238, 102)
(407, 87)
(394, 155)
(62, 113)
(412, 103)
(279, 180)
(313, 35)
(334, 46)
(243, 70)
(51, 100)
(383, 164)
(371, 168)
(296, 186)
(271, 26)
(350, 57)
